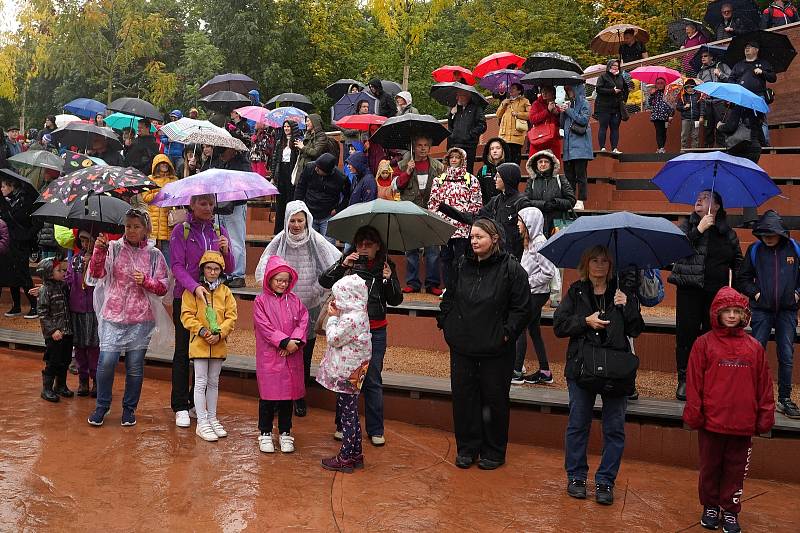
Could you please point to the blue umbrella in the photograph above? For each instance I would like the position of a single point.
(739, 181)
(85, 107)
(348, 104)
(736, 94)
(633, 240)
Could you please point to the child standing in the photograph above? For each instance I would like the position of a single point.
(728, 400)
(280, 321)
(84, 321)
(689, 105)
(345, 364)
(208, 347)
(53, 305)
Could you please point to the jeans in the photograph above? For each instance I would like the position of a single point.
(608, 120)
(134, 375)
(432, 275)
(236, 224)
(581, 403)
(321, 225)
(785, 324)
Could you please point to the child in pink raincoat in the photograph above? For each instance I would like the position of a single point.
(280, 321)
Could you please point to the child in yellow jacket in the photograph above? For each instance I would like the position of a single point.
(209, 319)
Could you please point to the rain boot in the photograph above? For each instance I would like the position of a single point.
(61, 385)
(93, 391)
(83, 386)
(47, 388)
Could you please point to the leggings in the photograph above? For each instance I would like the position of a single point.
(575, 171)
(661, 132)
(347, 405)
(607, 120)
(266, 415)
(537, 303)
(206, 388)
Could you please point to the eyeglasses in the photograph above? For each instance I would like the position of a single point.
(281, 281)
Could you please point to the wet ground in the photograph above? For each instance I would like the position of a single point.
(57, 473)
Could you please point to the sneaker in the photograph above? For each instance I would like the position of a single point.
(577, 488)
(408, 289)
(205, 432)
(730, 522)
(339, 464)
(616, 151)
(33, 314)
(13, 312)
(539, 377)
(604, 494)
(182, 419)
(436, 291)
(518, 378)
(710, 518)
(217, 428)
(337, 435)
(578, 205)
(441, 296)
(128, 417)
(265, 443)
(603, 149)
(286, 442)
(98, 416)
(378, 440)
(489, 464)
(193, 413)
(788, 408)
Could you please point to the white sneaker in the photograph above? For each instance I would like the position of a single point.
(603, 149)
(378, 440)
(265, 443)
(182, 419)
(287, 443)
(578, 205)
(217, 427)
(616, 151)
(193, 413)
(337, 435)
(205, 432)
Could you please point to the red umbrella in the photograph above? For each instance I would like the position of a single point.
(496, 62)
(453, 73)
(360, 122)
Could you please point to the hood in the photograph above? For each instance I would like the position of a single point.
(46, 268)
(511, 175)
(295, 206)
(211, 256)
(455, 149)
(489, 142)
(161, 158)
(316, 121)
(531, 164)
(728, 297)
(176, 113)
(385, 164)
(360, 162)
(276, 265)
(579, 90)
(255, 96)
(350, 293)
(376, 82)
(405, 95)
(327, 162)
(534, 221)
(770, 223)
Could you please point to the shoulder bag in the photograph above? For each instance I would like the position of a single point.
(606, 371)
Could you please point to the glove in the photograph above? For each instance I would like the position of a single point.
(231, 126)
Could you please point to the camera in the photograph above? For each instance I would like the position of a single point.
(361, 262)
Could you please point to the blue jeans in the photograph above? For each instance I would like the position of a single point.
(236, 224)
(785, 324)
(581, 403)
(163, 245)
(432, 275)
(321, 225)
(134, 375)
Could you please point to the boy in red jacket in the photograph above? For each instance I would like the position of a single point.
(728, 400)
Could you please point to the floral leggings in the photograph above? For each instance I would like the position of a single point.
(347, 405)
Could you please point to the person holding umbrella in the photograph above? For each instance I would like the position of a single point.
(753, 74)
(233, 216)
(284, 159)
(694, 37)
(661, 112)
(731, 24)
(513, 118)
(387, 107)
(631, 49)
(466, 123)
(143, 149)
(16, 206)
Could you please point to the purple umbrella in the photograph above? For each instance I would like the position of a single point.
(226, 185)
(498, 81)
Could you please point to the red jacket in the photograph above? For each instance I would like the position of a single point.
(728, 383)
(538, 114)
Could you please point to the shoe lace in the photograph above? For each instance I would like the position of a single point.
(711, 512)
(578, 482)
(729, 518)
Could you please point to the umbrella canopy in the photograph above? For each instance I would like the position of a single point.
(445, 93)
(402, 225)
(38, 159)
(348, 104)
(276, 117)
(215, 139)
(63, 120)
(82, 135)
(552, 77)
(676, 30)
(594, 69)
(97, 214)
(361, 122)
(634, 241)
(73, 161)
(397, 132)
(227, 185)
(500, 60)
(85, 107)
(391, 87)
(120, 121)
(297, 100)
(607, 42)
(97, 180)
(224, 101)
(454, 73)
(739, 181)
(735, 94)
(179, 130)
(341, 87)
(21, 180)
(745, 9)
(136, 107)
(547, 60)
(774, 48)
(717, 52)
(651, 73)
(499, 81)
(238, 83)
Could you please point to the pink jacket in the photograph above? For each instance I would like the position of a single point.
(278, 318)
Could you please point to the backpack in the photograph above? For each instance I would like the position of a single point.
(186, 227)
(759, 243)
(651, 287)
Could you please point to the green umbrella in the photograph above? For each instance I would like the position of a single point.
(402, 225)
(120, 121)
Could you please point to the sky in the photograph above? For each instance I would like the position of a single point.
(8, 15)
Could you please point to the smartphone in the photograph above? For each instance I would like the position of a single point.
(362, 261)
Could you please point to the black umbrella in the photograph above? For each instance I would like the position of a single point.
(224, 101)
(21, 180)
(552, 77)
(238, 83)
(136, 107)
(80, 135)
(746, 10)
(445, 93)
(391, 87)
(300, 101)
(38, 159)
(717, 52)
(397, 132)
(97, 214)
(774, 48)
(550, 60)
(341, 87)
(676, 30)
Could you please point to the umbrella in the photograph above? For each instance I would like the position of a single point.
(546, 60)
(21, 180)
(397, 132)
(215, 139)
(744, 9)
(774, 48)
(607, 42)
(227, 185)
(96, 180)
(676, 30)
(136, 107)
(402, 225)
(500, 60)
(717, 52)
(594, 69)
(63, 120)
(348, 104)
(81, 135)
(391, 87)
(73, 161)
(97, 214)
(238, 83)
(341, 87)
(445, 93)
(651, 73)
(224, 101)
(361, 122)
(38, 159)
(739, 181)
(552, 77)
(297, 100)
(735, 94)
(85, 107)
(180, 129)
(498, 81)
(634, 241)
(120, 121)
(276, 117)
(454, 73)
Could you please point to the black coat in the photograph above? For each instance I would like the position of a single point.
(141, 152)
(22, 232)
(486, 305)
(739, 25)
(466, 126)
(742, 74)
(381, 292)
(387, 106)
(322, 194)
(689, 272)
(552, 195)
(607, 100)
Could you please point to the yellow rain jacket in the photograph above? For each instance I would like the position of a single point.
(158, 215)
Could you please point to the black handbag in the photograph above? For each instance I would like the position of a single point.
(577, 129)
(606, 371)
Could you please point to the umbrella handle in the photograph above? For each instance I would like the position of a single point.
(713, 183)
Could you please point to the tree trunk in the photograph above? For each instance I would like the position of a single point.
(24, 106)
(406, 70)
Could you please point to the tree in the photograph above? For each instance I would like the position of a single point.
(200, 61)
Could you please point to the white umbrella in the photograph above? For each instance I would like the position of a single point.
(216, 139)
(182, 128)
(63, 120)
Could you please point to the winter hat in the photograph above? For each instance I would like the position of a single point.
(326, 162)
(212, 256)
(405, 95)
(47, 266)
(511, 175)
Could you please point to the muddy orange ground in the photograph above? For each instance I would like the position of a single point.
(57, 473)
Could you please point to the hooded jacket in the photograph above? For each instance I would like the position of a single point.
(349, 348)
(739, 25)
(315, 142)
(365, 188)
(141, 152)
(53, 302)
(508, 123)
(540, 270)
(159, 216)
(409, 107)
(277, 319)
(577, 146)
(775, 15)
(323, 194)
(549, 192)
(462, 193)
(607, 100)
(173, 149)
(728, 382)
(387, 106)
(772, 272)
(81, 294)
(489, 169)
(187, 244)
(693, 108)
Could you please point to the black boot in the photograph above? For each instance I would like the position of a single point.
(680, 392)
(61, 386)
(83, 386)
(93, 391)
(47, 388)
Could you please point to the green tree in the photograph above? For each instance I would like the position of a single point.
(200, 61)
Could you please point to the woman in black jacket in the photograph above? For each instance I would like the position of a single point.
(284, 159)
(612, 93)
(595, 311)
(371, 263)
(547, 190)
(699, 276)
(484, 310)
(16, 206)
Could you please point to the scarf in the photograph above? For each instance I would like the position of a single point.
(455, 173)
(296, 241)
